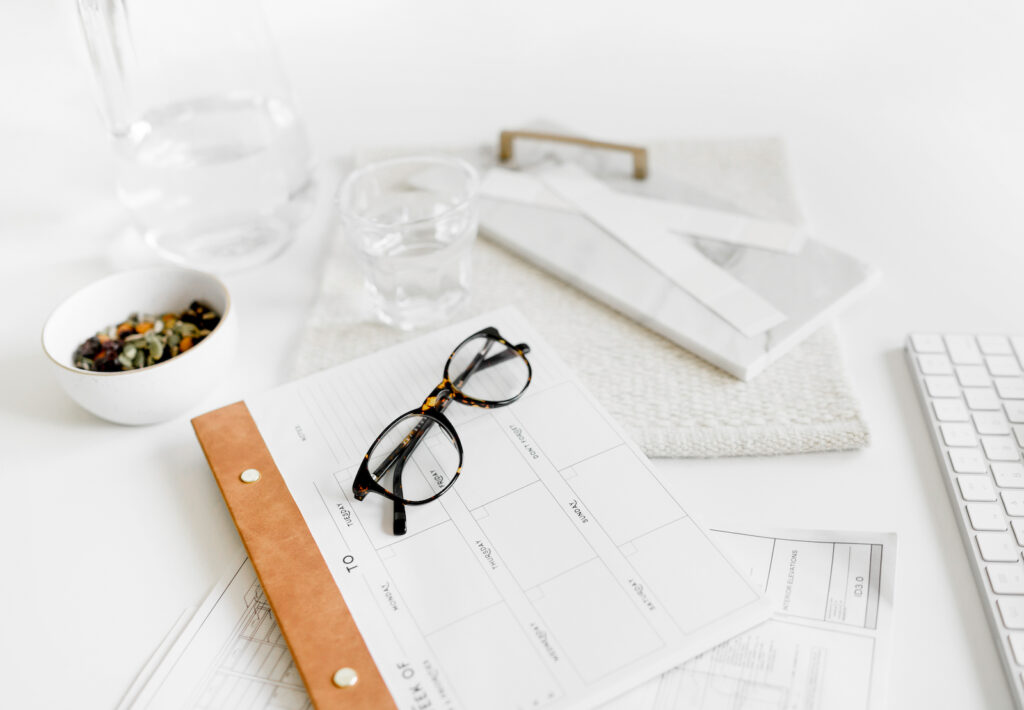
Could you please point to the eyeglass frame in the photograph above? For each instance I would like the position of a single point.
(432, 409)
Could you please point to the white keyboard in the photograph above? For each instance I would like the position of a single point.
(972, 390)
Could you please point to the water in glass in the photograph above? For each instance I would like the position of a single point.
(219, 181)
(413, 224)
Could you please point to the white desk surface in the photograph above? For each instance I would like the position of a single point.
(904, 122)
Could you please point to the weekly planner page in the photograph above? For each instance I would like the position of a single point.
(557, 572)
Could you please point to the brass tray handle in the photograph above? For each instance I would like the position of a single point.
(639, 153)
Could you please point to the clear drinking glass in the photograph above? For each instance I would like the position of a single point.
(212, 161)
(412, 223)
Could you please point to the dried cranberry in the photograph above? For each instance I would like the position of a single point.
(106, 360)
(89, 349)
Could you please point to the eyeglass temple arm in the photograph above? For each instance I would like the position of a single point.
(422, 427)
(398, 518)
(504, 356)
(403, 451)
(406, 448)
(397, 458)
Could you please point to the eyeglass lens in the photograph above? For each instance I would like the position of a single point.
(487, 370)
(422, 450)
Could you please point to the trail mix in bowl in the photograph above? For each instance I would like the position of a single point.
(143, 340)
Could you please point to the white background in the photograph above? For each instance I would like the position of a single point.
(905, 125)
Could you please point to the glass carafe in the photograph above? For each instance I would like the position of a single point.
(212, 160)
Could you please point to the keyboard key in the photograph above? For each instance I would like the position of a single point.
(968, 461)
(986, 516)
(971, 376)
(1014, 412)
(991, 423)
(984, 399)
(937, 364)
(1013, 501)
(1000, 365)
(976, 488)
(1017, 646)
(1018, 531)
(1018, 347)
(1000, 448)
(994, 345)
(1012, 612)
(1018, 434)
(998, 547)
(958, 435)
(924, 343)
(951, 410)
(941, 386)
(1007, 387)
(1006, 578)
(1008, 475)
(963, 350)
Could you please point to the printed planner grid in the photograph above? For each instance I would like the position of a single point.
(558, 567)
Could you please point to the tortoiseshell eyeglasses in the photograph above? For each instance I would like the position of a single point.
(418, 456)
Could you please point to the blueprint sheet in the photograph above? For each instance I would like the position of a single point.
(230, 656)
(827, 645)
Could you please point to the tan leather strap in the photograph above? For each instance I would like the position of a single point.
(313, 617)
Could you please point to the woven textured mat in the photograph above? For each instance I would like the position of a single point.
(673, 403)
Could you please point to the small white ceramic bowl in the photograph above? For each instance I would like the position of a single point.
(158, 392)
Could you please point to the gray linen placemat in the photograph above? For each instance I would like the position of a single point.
(673, 403)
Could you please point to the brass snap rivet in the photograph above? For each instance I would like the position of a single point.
(250, 475)
(345, 678)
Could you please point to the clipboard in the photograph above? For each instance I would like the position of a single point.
(471, 619)
(729, 184)
(314, 619)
